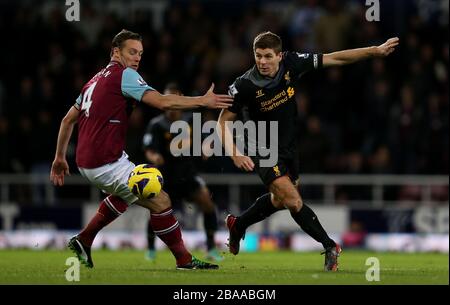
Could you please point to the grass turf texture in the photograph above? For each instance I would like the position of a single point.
(130, 267)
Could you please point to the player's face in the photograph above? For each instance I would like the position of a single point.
(267, 61)
(131, 53)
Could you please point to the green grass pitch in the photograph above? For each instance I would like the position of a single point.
(293, 268)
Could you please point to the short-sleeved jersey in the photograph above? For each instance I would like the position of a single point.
(268, 99)
(105, 104)
(158, 138)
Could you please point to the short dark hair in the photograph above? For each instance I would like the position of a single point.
(268, 40)
(121, 37)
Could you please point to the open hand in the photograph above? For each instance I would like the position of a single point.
(388, 47)
(244, 163)
(217, 101)
(59, 169)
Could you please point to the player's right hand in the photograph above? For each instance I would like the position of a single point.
(217, 101)
(244, 163)
(60, 167)
(388, 47)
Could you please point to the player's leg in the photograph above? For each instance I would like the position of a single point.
(166, 227)
(110, 208)
(156, 207)
(263, 207)
(151, 252)
(288, 196)
(202, 197)
(112, 179)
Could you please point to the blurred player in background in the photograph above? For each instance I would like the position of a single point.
(267, 93)
(102, 112)
(180, 175)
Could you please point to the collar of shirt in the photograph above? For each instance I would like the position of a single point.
(266, 81)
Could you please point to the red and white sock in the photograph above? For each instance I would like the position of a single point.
(166, 227)
(110, 208)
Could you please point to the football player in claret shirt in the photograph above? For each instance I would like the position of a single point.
(266, 93)
(180, 175)
(102, 112)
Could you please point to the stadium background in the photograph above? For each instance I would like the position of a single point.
(379, 117)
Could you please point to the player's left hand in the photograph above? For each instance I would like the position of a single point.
(217, 101)
(60, 167)
(243, 162)
(388, 47)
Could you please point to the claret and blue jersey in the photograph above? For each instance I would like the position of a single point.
(105, 104)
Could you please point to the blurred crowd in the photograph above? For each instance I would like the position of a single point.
(382, 116)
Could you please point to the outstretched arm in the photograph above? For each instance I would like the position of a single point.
(174, 101)
(350, 56)
(60, 166)
(226, 137)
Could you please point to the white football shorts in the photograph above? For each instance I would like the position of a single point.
(112, 178)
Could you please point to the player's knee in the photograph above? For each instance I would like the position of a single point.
(293, 204)
(157, 204)
(277, 201)
(161, 203)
